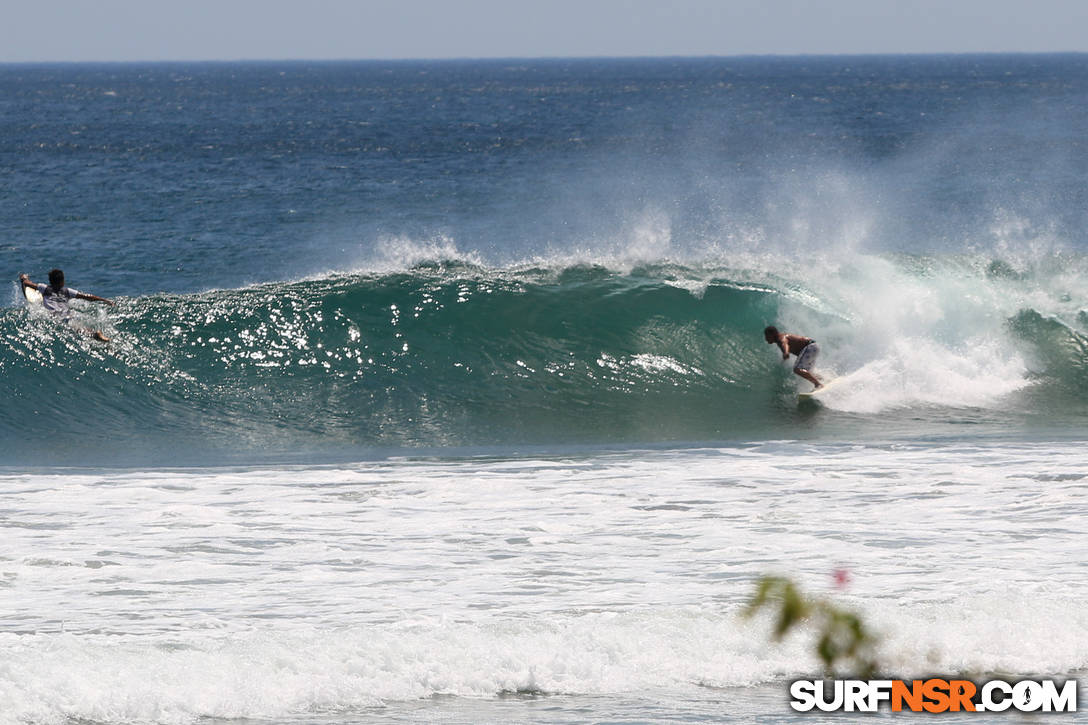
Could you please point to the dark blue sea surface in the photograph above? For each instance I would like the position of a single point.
(319, 258)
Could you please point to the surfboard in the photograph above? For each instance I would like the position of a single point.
(32, 295)
(818, 391)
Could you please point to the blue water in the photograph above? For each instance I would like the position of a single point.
(177, 178)
(329, 274)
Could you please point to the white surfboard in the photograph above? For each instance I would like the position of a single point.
(32, 295)
(818, 391)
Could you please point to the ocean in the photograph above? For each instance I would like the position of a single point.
(438, 390)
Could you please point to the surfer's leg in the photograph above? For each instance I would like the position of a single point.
(90, 332)
(805, 361)
(809, 377)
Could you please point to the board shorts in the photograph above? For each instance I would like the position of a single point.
(807, 357)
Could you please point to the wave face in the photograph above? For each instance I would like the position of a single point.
(449, 353)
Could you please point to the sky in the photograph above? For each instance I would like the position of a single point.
(164, 30)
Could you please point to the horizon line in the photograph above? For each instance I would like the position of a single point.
(528, 58)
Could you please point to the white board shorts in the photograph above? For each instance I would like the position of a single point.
(807, 358)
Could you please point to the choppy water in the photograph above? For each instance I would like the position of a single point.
(438, 390)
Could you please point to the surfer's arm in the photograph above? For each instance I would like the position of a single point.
(26, 281)
(784, 348)
(93, 298)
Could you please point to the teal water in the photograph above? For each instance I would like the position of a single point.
(460, 355)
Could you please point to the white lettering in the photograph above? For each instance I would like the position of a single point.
(1027, 696)
(856, 696)
(1064, 701)
(804, 695)
(989, 704)
(836, 702)
(879, 691)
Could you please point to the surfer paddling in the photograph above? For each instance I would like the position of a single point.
(55, 298)
(805, 348)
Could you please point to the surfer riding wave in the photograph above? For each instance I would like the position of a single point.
(805, 348)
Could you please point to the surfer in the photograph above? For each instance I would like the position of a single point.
(805, 348)
(55, 298)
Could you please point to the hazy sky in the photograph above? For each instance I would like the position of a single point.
(110, 30)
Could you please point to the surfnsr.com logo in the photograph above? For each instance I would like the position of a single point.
(934, 695)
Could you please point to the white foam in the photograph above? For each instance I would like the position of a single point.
(168, 596)
(919, 371)
(402, 253)
(907, 336)
(269, 674)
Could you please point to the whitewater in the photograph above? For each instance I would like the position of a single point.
(438, 391)
(541, 587)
